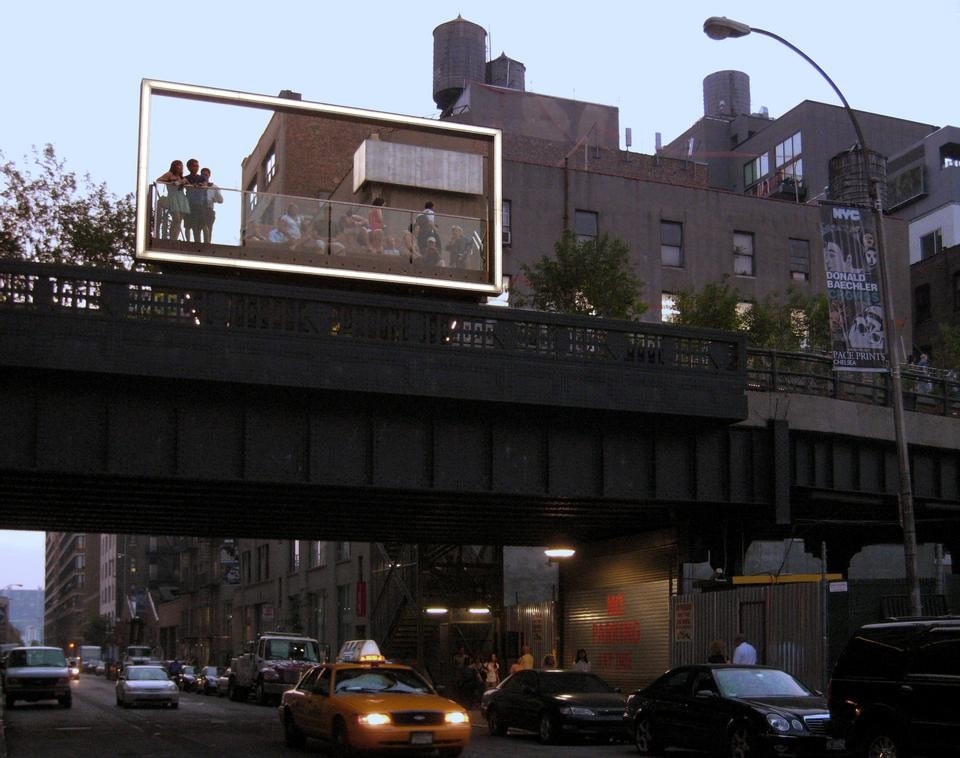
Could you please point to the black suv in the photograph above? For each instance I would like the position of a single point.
(896, 689)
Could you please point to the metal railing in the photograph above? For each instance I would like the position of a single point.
(924, 390)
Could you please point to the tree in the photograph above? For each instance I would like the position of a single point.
(946, 347)
(97, 631)
(592, 277)
(791, 322)
(56, 217)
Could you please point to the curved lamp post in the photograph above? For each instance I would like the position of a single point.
(720, 27)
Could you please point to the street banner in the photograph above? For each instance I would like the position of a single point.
(857, 325)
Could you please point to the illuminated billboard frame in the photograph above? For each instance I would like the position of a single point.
(415, 159)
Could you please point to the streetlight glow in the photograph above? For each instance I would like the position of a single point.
(720, 27)
(559, 552)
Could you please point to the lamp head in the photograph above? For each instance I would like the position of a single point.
(721, 27)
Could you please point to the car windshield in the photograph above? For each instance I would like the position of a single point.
(380, 680)
(758, 682)
(187, 670)
(36, 657)
(293, 650)
(554, 683)
(147, 674)
(210, 671)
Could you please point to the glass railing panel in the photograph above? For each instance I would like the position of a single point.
(298, 231)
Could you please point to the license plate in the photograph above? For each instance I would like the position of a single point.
(836, 744)
(421, 738)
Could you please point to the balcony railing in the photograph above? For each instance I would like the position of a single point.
(279, 231)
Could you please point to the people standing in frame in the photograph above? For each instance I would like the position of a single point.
(717, 652)
(175, 203)
(582, 663)
(214, 196)
(526, 657)
(491, 671)
(197, 198)
(424, 226)
(458, 248)
(744, 653)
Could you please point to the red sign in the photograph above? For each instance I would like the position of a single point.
(361, 599)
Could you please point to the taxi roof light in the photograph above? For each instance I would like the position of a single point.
(360, 651)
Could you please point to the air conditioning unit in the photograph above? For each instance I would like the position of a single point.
(507, 237)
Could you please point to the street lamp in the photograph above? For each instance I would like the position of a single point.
(720, 27)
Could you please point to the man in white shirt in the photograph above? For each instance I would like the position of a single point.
(744, 653)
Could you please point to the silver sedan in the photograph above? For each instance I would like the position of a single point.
(146, 684)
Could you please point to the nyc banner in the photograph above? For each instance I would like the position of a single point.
(857, 324)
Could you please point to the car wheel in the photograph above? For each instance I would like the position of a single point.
(740, 742)
(260, 694)
(548, 729)
(291, 734)
(341, 741)
(643, 737)
(882, 744)
(175, 705)
(234, 692)
(496, 726)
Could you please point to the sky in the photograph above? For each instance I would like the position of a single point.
(74, 71)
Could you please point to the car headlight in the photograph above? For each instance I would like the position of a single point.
(779, 723)
(374, 719)
(576, 710)
(457, 717)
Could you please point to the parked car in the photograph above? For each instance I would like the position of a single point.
(895, 689)
(223, 682)
(361, 703)
(143, 683)
(36, 673)
(73, 665)
(555, 703)
(206, 682)
(730, 710)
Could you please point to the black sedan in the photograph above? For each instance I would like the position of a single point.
(554, 704)
(206, 683)
(729, 710)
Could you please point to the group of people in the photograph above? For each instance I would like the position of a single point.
(188, 207)
(744, 653)
(357, 233)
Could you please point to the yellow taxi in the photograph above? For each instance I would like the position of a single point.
(362, 703)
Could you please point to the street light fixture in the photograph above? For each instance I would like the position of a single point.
(720, 27)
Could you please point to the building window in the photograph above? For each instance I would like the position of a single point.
(587, 225)
(344, 614)
(295, 555)
(263, 562)
(789, 150)
(252, 197)
(950, 155)
(743, 254)
(799, 260)
(343, 551)
(506, 212)
(931, 244)
(668, 308)
(671, 243)
(756, 169)
(318, 554)
(921, 303)
(269, 167)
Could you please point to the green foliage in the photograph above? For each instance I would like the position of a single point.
(56, 217)
(593, 278)
(946, 347)
(97, 631)
(715, 306)
(791, 322)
